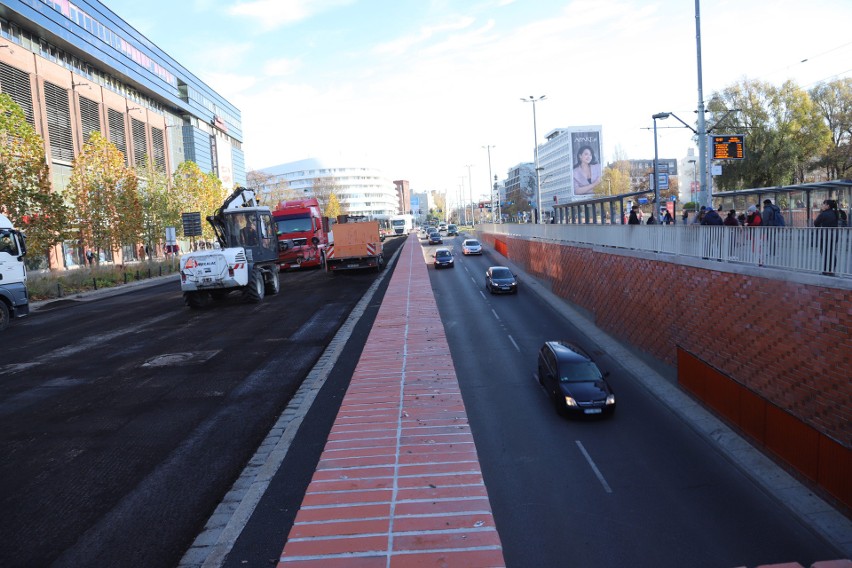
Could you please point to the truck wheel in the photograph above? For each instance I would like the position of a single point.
(273, 283)
(255, 289)
(4, 315)
(196, 300)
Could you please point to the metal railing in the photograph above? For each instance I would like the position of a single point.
(804, 249)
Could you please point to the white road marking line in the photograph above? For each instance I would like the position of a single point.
(594, 467)
(495, 314)
(515, 344)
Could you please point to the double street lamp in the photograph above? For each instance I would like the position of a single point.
(534, 100)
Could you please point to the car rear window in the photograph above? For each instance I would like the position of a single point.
(576, 372)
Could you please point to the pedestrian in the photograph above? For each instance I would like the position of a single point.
(828, 218)
(754, 219)
(90, 257)
(772, 215)
(635, 216)
(667, 218)
(700, 217)
(741, 219)
(651, 220)
(711, 217)
(731, 219)
(685, 217)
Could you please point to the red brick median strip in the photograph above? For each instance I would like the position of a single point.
(399, 483)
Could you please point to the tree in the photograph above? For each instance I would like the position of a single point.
(332, 209)
(834, 104)
(615, 179)
(269, 189)
(25, 191)
(323, 188)
(154, 199)
(785, 133)
(104, 196)
(195, 191)
(440, 200)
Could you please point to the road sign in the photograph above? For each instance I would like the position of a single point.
(728, 146)
(191, 224)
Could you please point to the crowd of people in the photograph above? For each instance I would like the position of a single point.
(830, 216)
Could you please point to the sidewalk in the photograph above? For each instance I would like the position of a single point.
(399, 482)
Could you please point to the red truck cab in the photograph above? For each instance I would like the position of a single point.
(301, 222)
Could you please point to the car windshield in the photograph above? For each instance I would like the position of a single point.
(472, 243)
(442, 254)
(578, 372)
(501, 273)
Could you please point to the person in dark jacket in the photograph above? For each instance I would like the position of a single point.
(828, 218)
(635, 216)
(711, 217)
(731, 219)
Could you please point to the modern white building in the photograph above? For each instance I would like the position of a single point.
(555, 169)
(363, 191)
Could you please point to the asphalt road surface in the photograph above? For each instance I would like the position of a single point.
(125, 419)
(640, 489)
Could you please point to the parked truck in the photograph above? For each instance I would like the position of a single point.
(354, 245)
(14, 299)
(244, 257)
(301, 222)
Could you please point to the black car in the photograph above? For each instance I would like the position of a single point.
(573, 380)
(501, 280)
(435, 239)
(452, 230)
(443, 258)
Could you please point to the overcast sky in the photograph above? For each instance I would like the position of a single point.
(418, 87)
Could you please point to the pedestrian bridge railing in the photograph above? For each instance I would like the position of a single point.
(805, 249)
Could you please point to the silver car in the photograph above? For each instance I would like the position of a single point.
(471, 246)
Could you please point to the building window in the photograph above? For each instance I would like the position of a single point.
(117, 134)
(90, 117)
(16, 84)
(58, 122)
(140, 146)
(159, 147)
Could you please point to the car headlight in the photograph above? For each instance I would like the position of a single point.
(610, 399)
(570, 401)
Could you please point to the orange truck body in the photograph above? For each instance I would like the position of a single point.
(353, 246)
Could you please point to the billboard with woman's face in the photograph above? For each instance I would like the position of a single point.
(586, 158)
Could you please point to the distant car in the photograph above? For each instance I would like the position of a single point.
(573, 380)
(501, 280)
(435, 238)
(452, 230)
(442, 227)
(471, 246)
(443, 258)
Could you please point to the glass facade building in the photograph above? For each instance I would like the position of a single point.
(76, 67)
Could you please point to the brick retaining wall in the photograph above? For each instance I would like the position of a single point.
(788, 342)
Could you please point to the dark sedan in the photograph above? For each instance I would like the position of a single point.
(443, 258)
(501, 280)
(435, 239)
(573, 381)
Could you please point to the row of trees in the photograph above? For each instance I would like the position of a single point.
(106, 204)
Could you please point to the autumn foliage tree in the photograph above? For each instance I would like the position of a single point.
(195, 191)
(25, 191)
(104, 194)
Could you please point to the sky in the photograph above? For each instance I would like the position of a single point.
(422, 89)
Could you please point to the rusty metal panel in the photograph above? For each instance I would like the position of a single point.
(793, 441)
(835, 470)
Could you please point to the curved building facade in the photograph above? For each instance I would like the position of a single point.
(362, 190)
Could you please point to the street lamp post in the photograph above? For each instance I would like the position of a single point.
(658, 116)
(489, 178)
(497, 191)
(534, 100)
(470, 190)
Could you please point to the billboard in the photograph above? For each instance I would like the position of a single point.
(586, 159)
